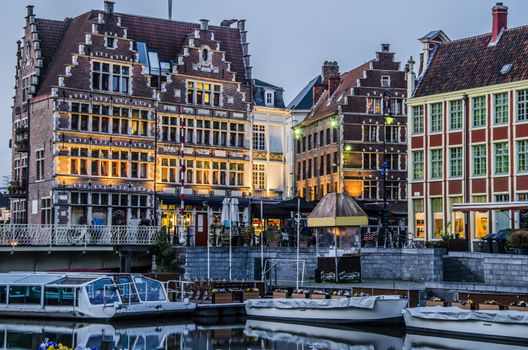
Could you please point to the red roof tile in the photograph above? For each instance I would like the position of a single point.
(470, 63)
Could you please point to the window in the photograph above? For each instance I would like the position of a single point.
(169, 129)
(522, 105)
(321, 165)
(236, 135)
(436, 117)
(418, 119)
(522, 156)
(40, 165)
(455, 115)
(236, 174)
(370, 133)
(203, 132)
(259, 137)
(110, 42)
(202, 172)
(480, 218)
(220, 173)
(393, 161)
(110, 77)
(437, 212)
(258, 176)
(45, 211)
(419, 218)
(169, 170)
(269, 98)
(501, 108)
(370, 161)
(373, 105)
(200, 93)
(139, 165)
(370, 189)
(385, 81)
(436, 163)
(458, 217)
(479, 160)
(393, 190)
(479, 111)
(418, 165)
(392, 134)
(455, 162)
(502, 158)
(220, 133)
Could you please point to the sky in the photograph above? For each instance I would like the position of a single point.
(289, 39)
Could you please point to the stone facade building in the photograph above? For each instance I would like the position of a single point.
(122, 119)
(468, 145)
(339, 145)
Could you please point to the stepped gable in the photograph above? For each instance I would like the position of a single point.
(61, 39)
(327, 105)
(472, 62)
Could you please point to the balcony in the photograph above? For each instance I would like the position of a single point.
(17, 189)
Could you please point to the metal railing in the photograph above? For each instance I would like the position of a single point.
(15, 235)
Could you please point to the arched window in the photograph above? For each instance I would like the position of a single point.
(205, 54)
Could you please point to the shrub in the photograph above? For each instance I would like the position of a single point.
(519, 240)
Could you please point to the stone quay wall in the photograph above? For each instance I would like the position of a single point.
(418, 265)
(246, 262)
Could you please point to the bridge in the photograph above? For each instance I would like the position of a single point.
(53, 247)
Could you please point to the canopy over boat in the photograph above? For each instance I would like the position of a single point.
(457, 314)
(281, 303)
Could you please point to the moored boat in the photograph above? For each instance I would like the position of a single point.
(443, 342)
(364, 310)
(85, 296)
(498, 324)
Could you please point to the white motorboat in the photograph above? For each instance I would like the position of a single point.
(500, 324)
(321, 337)
(429, 342)
(371, 309)
(85, 296)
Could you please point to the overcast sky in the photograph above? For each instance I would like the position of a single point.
(289, 39)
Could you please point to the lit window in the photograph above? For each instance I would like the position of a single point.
(437, 212)
(419, 218)
(373, 105)
(201, 93)
(458, 217)
(480, 218)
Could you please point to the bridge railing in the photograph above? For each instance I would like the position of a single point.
(76, 235)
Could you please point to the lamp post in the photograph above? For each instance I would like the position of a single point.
(388, 119)
(297, 134)
(335, 123)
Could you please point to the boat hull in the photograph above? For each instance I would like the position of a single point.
(384, 311)
(467, 328)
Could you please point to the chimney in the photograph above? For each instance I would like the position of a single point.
(109, 6)
(385, 48)
(331, 76)
(500, 21)
(227, 22)
(204, 24)
(30, 10)
(317, 91)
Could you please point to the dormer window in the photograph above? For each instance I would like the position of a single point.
(385, 81)
(269, 98)
(110, 42)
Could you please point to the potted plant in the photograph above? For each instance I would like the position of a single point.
(303, 242)
(435, 301)
(518, 305)
(341, 294)
(490, 304)
(466, 304)
(299, 294)
(519, 242)
(318, 294)
(222, 296)
(250, 293)
(280, 293)
(273, 242)
(361, 294)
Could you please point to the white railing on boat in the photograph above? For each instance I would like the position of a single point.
(76, 235)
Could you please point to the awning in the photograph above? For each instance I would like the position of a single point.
(490, 206)
(337, 210)
(198, 200)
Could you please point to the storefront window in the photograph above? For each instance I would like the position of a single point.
(457, 218)
(438, 217)
(419, 216)
(480, 218)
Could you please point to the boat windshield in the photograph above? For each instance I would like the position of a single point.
(25, 295)
(149, 290)
(102, 291)
(126, 289)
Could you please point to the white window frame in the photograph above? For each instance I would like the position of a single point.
(431, 164)
(461, 160)
(525, 103)
(518, 154)
(461, 111)
(420, 117)
(506, 118)
(473, 175)
(385, 81)
(441, 116)
(484, 125)
(505, 171)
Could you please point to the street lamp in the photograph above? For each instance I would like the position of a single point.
(388, 119)
(297, 134)
(334, 123)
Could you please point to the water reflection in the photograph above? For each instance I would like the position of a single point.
(250, 335)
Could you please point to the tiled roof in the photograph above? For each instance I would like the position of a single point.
(164, 36)
(471, 63)
(304, 100)
(329, 104)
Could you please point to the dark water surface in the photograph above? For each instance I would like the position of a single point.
(227, 334)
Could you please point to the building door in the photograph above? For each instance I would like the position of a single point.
(201, 230)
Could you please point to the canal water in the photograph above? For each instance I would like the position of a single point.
(232, 335)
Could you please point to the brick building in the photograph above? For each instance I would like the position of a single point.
(468, 143)
(116, 115)
(339, 144)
